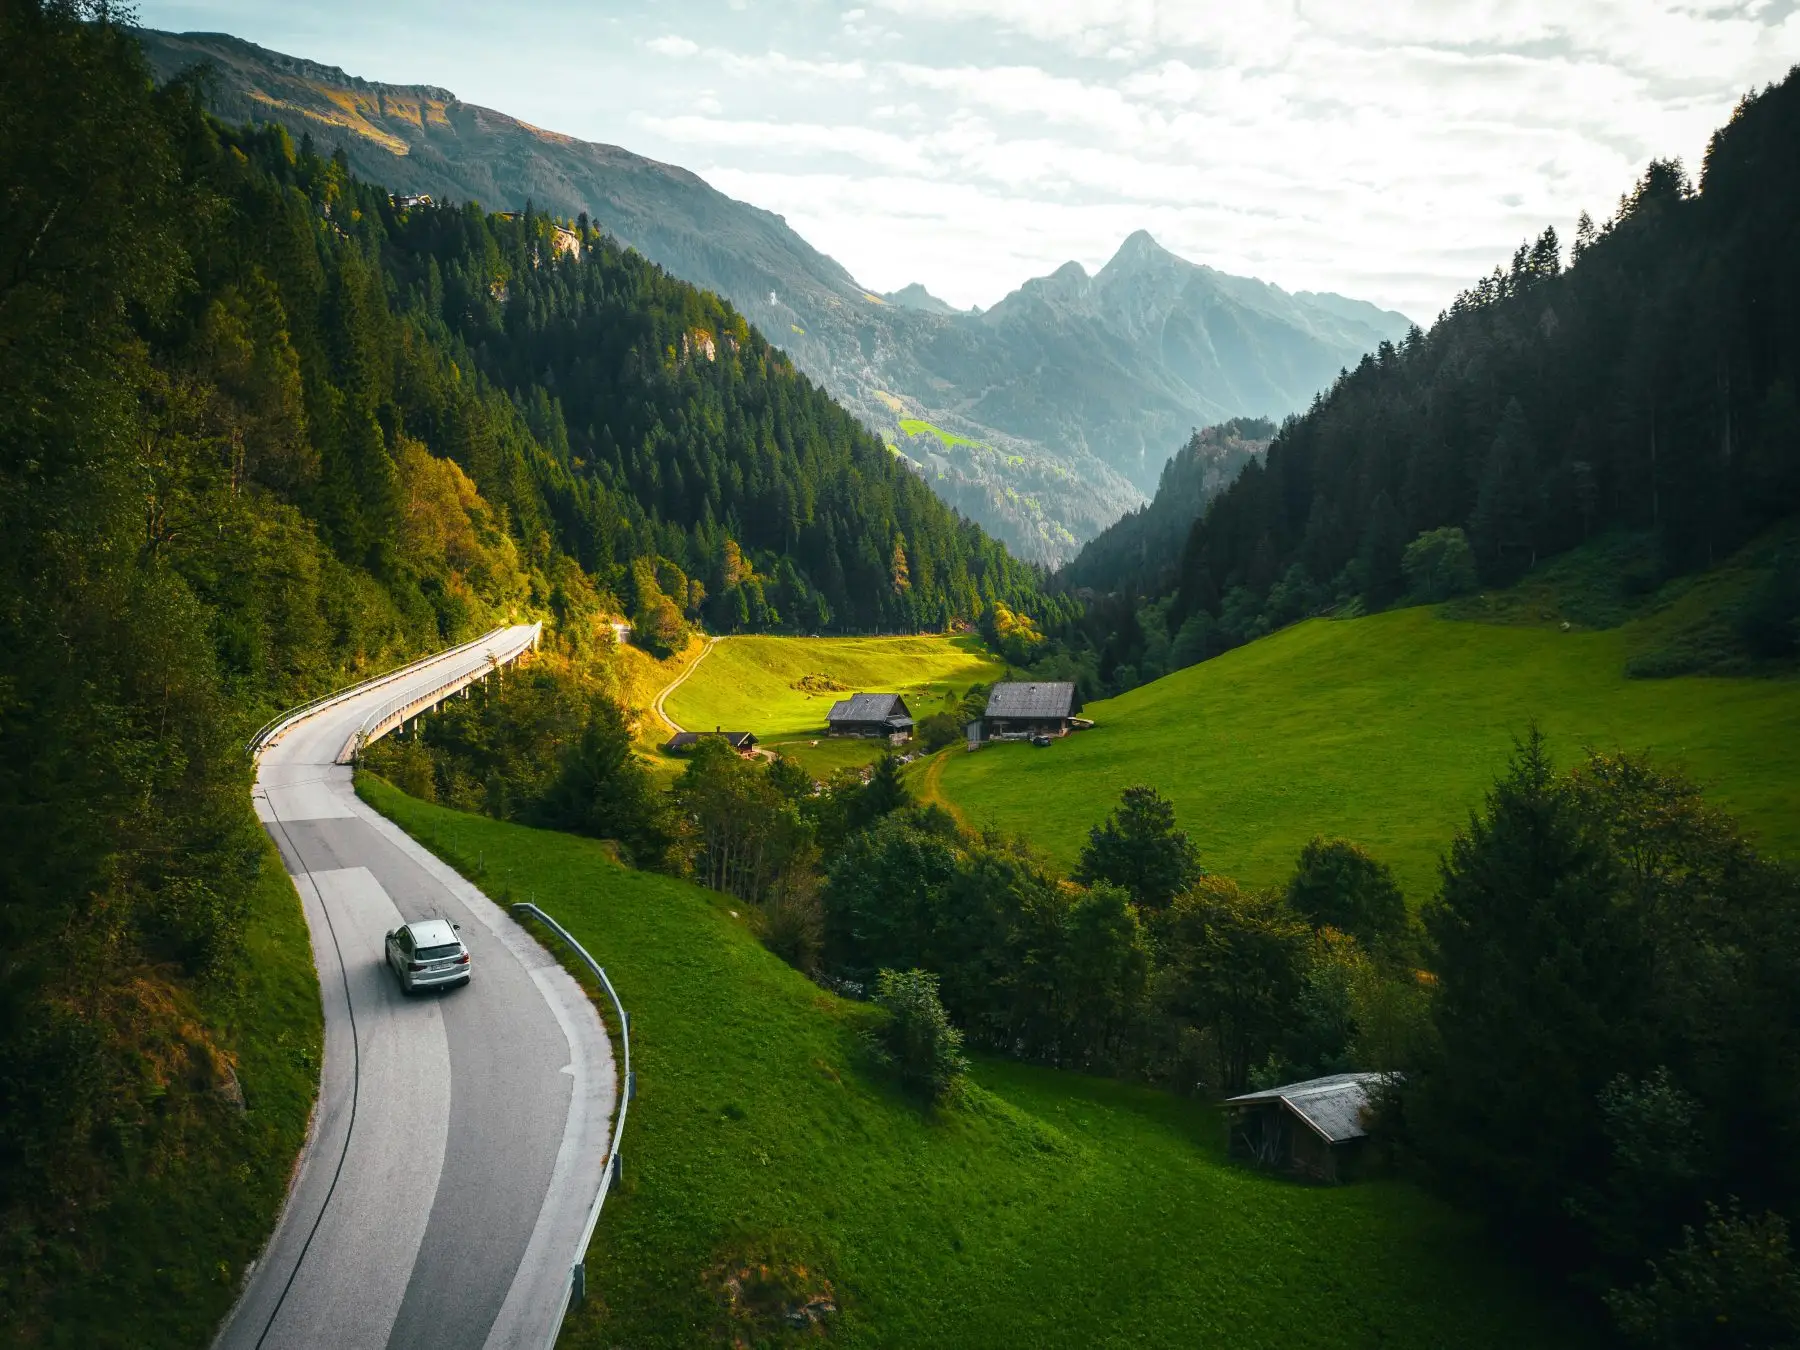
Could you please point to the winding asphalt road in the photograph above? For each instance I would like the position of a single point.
(460, 1138)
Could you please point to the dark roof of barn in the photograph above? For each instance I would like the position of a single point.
(737, 740)
(869, 708)
(1057, 699)
(1332, 1105)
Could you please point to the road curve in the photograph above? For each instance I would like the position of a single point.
(460, 1138)
(676, 683)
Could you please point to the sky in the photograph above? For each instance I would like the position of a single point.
(1392, 152)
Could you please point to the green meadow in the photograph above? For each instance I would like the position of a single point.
(914, 426)
(782, 688)
(1386, 730)
(765, 1154)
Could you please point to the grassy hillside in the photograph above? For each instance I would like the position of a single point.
(1386, 730)
(914, 426)
(781, 688)
(1050, 1210)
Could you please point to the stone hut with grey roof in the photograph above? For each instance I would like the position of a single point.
(879, 715)
(1315, 1128)
(1021, 710)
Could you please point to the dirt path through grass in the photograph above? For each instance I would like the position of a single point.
(931, 786)
(674, 684)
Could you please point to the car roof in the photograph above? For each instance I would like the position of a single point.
(432, 932)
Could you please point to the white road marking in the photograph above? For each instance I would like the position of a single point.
(543, 1276)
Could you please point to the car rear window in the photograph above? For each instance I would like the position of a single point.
(438, 953)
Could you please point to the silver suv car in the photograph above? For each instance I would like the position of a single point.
(427, 953)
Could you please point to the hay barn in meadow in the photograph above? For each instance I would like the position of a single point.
(1314, 1128)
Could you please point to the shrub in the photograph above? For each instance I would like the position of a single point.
(918, 1038)
(938, 730)
(792, 925)
(1734, 1285)
(1770, 622)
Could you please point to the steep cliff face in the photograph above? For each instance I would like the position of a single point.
(1061, 404)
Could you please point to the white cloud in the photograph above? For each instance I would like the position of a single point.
(1393, 151)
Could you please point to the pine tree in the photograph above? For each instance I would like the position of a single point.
(1540, 976)
(1139, 849)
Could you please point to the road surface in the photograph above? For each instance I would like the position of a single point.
(460, 1137)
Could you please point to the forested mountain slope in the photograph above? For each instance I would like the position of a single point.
(1061, 403)
(1138, 554)
(260, 432)
(1651, 385)
(1642, 398)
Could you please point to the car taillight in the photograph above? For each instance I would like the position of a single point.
(463, 960)
(415, 965)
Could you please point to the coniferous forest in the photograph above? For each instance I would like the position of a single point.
(264, 431)
(1644, 380)
(1651, 384)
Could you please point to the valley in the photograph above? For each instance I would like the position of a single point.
(766, 1150)
(1368, 916)
(781, 688)
(1385, 730)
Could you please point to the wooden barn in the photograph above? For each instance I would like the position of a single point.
(683, 742)
(1314, 1128)
(1024, 711)
(871, 715)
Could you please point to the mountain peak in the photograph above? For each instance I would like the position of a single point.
(1140, 248)
(915, 296)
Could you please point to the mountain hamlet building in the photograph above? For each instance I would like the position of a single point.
(683, 742)
(871, 715)
(1026, 711)
(1313, 1128)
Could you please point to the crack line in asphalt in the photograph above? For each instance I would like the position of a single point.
(355, 1074)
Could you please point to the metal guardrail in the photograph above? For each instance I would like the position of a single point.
(577, 1286)
(398, 710)
(275, 726)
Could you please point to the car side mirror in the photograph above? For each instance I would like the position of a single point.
(457, 927)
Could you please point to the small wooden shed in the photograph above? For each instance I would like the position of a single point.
(683, 742)
(1314, 1128)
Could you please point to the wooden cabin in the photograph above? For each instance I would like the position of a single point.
(871, 715)
(1313, 1128)
(683, 742)
(1023, 711)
